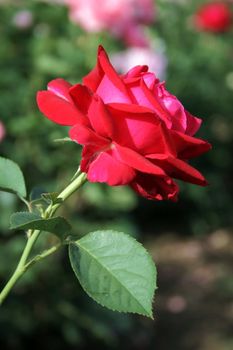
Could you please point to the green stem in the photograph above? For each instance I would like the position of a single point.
(23, 264)
(76, 183)
(43, 255)
(20, 269)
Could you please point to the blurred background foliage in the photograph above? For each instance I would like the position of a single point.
(189, 240)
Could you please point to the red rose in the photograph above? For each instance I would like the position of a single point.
(213, 17)
(133, 130)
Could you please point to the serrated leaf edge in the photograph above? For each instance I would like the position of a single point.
(23, 212)
(39, 218)
(150, 314)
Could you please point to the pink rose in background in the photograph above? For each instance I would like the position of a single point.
(213, 17)
(152, 57)
(124, 18)
(61, 2)
(2, 131)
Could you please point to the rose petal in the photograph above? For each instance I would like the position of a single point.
(140, 129)
(105, 80)
(138, 96)
(89, 153)
(100, 119)
(93, 79)
(154, 188)
(81, 96)
(58, 109)
(193, 124)
(110, 71)
(189, 147)
(85, 136)
(108, 91)
(176, 111)
(135, 160)
(106, 168)
(135, 72)
(153, 100)
(60, 87)
(178, 169)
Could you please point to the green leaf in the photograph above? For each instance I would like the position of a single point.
(11, 178)
(25, 221)
(20, 219)
(115, 270)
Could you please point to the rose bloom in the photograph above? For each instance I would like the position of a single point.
(213, 17)
(133, 131)
(123, 18)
